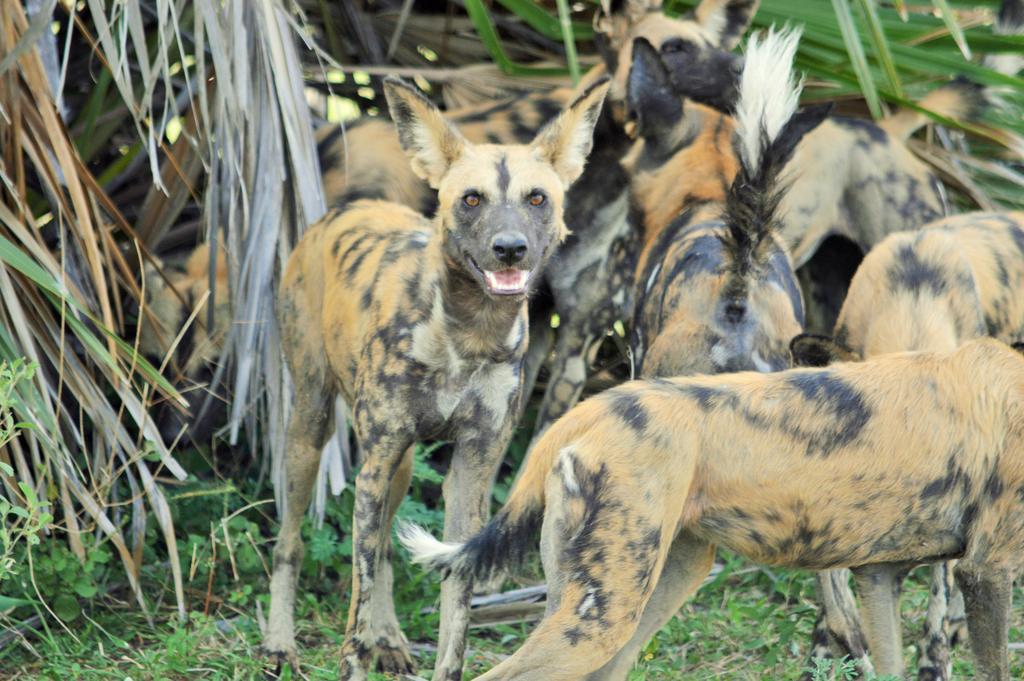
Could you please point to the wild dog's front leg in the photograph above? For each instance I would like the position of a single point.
(467, 495)
(878, 586)
(542, 338)
(987, 591)
(372, 626)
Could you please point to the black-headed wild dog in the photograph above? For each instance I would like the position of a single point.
(715, 290)
(421, 326)
(697, 46)
(812, 468)
(953, 281)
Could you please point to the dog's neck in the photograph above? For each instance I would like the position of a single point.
(481, 325)
(466, 319)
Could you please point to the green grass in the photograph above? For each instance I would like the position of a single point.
(749, 624)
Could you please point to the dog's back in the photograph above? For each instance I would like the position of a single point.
(957, 279)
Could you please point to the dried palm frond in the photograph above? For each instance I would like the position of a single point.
(63, 276)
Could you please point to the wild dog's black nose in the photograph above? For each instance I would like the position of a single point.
(735, 310)
(509, 247)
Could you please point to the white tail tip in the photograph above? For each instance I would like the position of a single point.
(769, 91)
(424, 548)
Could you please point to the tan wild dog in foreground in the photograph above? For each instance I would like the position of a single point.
(957, 279)
(906, 459)
(422, 328)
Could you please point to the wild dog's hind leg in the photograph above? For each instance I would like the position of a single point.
(689, 562)
(308, 429)
(987, 591)
(307, 433)
(599, 600)
(878, 586)
(372, 627)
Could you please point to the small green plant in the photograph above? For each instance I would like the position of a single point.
(20, 520)
(843, 669)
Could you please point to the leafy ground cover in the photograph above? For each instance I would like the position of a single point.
(749, 623)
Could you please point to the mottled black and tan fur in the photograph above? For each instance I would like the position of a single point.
(905, 459)
(421, 327)
(876, 185)
(715, 290)
(587, 284)
(953, 281)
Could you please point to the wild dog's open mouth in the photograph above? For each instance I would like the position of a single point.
(508, 282)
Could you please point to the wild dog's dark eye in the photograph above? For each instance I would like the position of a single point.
(472, 199)
(674, 46)
(537, 199)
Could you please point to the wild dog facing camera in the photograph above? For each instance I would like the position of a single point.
(500, 206)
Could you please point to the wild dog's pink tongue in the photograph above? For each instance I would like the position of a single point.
(507, 280)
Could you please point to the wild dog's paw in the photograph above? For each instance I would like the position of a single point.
(355, 661)
(394, 658)
(275, 658)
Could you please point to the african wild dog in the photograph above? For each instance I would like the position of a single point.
(715, 290)
(697, 47)
(877, 186)
(172, 301)
(934, 289)
(421, 327)
(587, 284)
(808, 468)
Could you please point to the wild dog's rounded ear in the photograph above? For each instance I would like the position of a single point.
(727, 20)
(651, 98)
(430, 141)
(1018, 346)
(813, 350)
(566, 141)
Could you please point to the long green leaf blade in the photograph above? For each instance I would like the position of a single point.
(954, 26)
(880, 44)
(851, 38)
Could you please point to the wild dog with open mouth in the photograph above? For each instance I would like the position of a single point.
(876, 186)
(715, 290)
(588, 281)
(955, 280)
(421, 327)
(904, 459)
